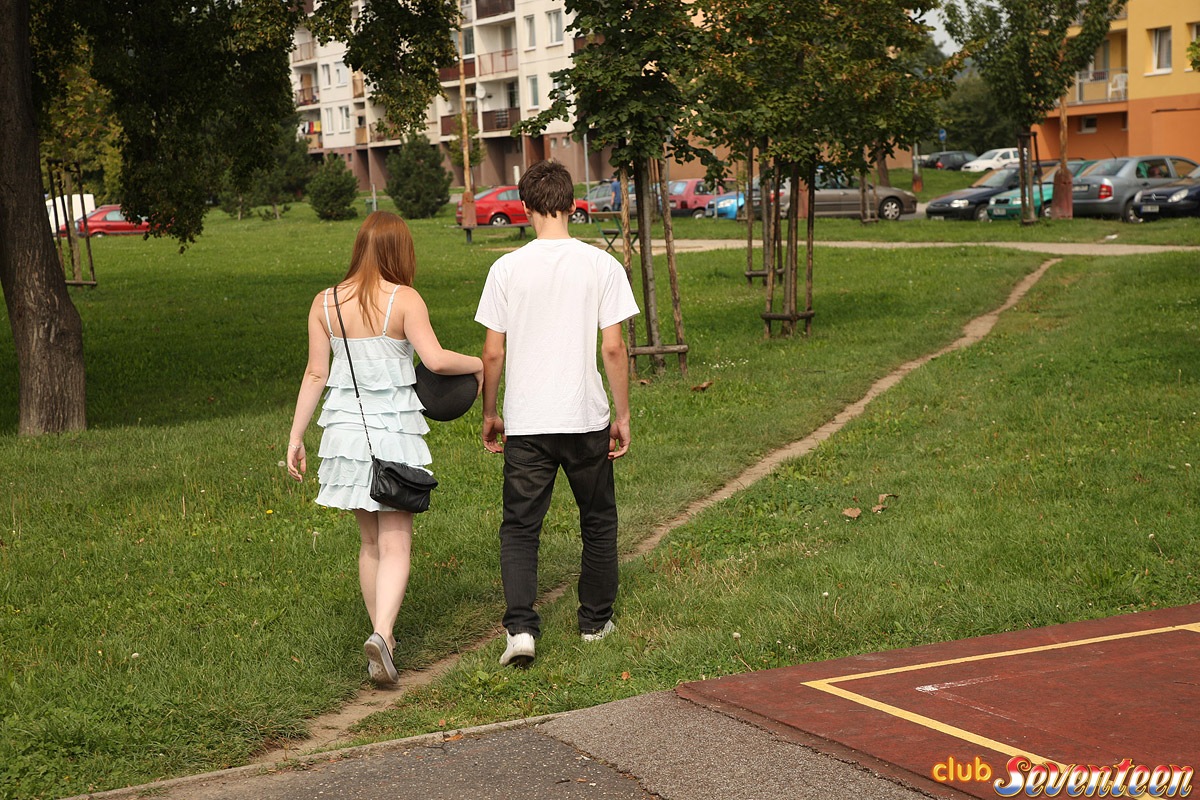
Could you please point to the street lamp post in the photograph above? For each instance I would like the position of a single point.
(468, 199)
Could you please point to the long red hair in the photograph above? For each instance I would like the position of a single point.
(383, 250)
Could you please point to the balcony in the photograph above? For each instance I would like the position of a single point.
(501, 119)
(304, 51)
(493, 8)
(1100, 86)
(448, 74)
(360, 85)
(306, 97)
(361, 135)
(496, 63)
(314, 141)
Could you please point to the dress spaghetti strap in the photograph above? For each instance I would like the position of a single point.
(328, 324)
(388, 316)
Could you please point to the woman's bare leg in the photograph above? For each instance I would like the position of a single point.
(393, 548)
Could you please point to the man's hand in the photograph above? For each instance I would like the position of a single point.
(618, 434)
(493, 434)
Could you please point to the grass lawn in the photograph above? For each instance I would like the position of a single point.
(170, 602)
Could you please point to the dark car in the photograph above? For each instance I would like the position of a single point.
(1178, 199)
(948, 159)
(972, 202)
(107, 221)
(1107, 188)
(502, 205)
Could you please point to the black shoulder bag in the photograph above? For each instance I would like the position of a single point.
(393, 484)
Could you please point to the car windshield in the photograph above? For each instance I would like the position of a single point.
(1107, 167)
(677, 187)
(988, 154)
(597, 192)
(993, 180)
(1194, 173)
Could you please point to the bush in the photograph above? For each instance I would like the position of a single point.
(417, 182)
(333, 189)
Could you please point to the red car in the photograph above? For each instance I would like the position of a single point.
(689, 197)
(502, 206)
(107, 221)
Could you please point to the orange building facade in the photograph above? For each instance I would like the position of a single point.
(1140, 95)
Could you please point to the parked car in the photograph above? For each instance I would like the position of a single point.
(56, 209)
(836, 195)
(1007, 205)
(501, 205)
(993, 159)
(1107, 188)
(972, 202)
(690, 196)
(948, 159)
(107, 221)
(1178, 199)
(730, 205)
(600, 198)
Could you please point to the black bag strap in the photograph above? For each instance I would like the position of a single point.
(338, 308)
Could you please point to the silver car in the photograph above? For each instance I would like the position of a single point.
(1108, 187)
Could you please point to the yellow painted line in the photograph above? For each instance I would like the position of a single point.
(1193, 627)
(827, 685)
(928, 722)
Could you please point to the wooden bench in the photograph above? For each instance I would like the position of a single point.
(520, 228)
(604, 224)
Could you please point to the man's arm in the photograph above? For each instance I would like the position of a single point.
(616, 369)
(493, 365)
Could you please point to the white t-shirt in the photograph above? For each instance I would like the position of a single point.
(550, 299)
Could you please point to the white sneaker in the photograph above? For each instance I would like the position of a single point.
(600, 634)
(519, 652)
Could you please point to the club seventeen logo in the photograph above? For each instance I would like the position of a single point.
(1123, 779)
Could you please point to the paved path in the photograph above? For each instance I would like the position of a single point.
(1049, 248)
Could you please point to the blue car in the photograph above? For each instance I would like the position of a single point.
(1179, 199)
(729, 205)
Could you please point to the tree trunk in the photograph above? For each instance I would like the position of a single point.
(645, 199)
(1062, 205)
(47, 329)
(882, 176)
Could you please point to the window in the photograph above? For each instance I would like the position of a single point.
(1160, 41)
(1195, 26)
(344, 116)
(1182, 166)
(468, 42)
(535, 98)
(554, 18)
(530, 32)
(339, 70)
(510, 95)
(325, 75)
(1087, 124)
(329, 120)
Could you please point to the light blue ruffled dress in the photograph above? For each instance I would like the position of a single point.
(384, 368)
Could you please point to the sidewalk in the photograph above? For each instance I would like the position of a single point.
(1091, 692)
(653, 746)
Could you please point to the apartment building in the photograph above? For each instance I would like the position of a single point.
(509, 50)
(1140, 95)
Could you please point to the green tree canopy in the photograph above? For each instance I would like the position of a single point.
(197, 89)
(417, 182)
(1025, 48)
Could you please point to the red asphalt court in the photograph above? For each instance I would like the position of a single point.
(1094, 693)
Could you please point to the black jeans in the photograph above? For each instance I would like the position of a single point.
(530, 466)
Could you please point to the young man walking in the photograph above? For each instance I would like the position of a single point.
(544, 307)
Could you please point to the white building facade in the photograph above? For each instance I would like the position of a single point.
(510, 49)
